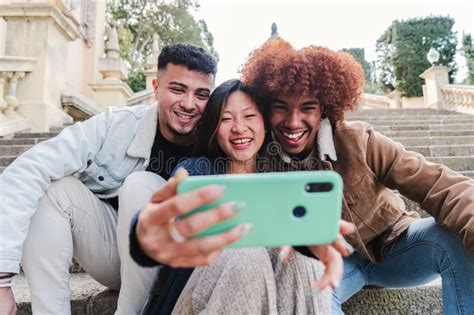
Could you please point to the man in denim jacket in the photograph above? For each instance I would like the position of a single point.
(73, 196)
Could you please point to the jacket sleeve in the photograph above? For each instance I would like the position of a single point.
(25, 181)
(445, 194)
(136, 251)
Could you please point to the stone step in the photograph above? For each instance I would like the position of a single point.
(398, 122)
(468, 174)
(427, 133)
(420, 141)
(21, 141)
(373, 119)
(6, 150)
(426, 127)
(443, 150)
(456, 163)
(6, 160)
(402, 111)
(425, 299)
(90, 297)
(36, 135)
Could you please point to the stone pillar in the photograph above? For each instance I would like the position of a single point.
(395, 99)
(13, 70)
(3, 103)
(435, 78)
(152, 62)
(41, 31)
(11, 99)
(111, 90)
(3, 36)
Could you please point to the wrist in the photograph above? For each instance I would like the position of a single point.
(4, 275)
(6, 280)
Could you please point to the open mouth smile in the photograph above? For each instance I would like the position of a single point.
(241, 143)
(294, 137)
(184, 117)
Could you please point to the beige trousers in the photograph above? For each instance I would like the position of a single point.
(72, 222)
(252, 281)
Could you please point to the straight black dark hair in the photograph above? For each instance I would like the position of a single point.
(206, 142)
(193, 57)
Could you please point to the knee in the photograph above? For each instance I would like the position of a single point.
(60, 190)
(137, 189)
(65, 184)
(439, 237)
(138, 182)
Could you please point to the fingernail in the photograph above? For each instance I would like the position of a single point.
(237, 207)
(353, 228)
(350, 248)
(245, 229)
(336, 283)
(217, 189)
(181, 173)
(282, 256)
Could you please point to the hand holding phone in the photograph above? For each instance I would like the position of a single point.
(291, 208)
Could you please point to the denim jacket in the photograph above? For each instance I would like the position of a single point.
(101, 151)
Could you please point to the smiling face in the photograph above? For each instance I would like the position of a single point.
(241, 130)
(295, 121)
(182, 95)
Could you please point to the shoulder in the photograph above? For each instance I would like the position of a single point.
(353, 129)
(135, 112)
(201, 166)
(353, 126)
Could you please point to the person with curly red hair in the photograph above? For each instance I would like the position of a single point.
(307, 92)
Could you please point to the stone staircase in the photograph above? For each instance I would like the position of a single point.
(441, 136)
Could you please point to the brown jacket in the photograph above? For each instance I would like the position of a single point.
(372, 165)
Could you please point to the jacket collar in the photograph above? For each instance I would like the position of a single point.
(145, 134)
(325, 144)
(326, 141)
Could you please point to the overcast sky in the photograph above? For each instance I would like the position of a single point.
(240, 26)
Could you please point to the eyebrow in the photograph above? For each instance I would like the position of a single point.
(311, 102)
(245, 109)
(200, 90)
(184, 86)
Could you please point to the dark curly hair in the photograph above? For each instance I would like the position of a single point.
(335, 79)
(193, 57)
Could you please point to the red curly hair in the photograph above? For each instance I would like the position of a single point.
(335, 79)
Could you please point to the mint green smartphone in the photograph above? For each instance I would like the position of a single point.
(290, 208)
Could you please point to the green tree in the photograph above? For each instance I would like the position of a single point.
(359, 55)
(468, 52)
(137, 21)
(402, 50)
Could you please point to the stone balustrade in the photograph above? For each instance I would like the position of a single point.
(145, 97)
(375, 101)
(459, 98)
(12, 71)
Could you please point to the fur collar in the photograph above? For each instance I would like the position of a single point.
(325, 143)
(145, 135)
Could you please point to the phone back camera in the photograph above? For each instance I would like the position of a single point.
(299, 211)
(318, 187)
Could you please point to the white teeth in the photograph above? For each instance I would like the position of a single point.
(183, 116)
(293, 135)
(241, 141)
